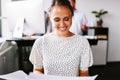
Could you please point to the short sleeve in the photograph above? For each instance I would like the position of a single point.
(86, 57)
(36, 54)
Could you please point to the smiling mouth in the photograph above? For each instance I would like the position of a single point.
(63, 28)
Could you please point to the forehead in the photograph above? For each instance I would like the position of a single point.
(60, 10)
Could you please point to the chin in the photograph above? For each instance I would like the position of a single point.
(64, 31)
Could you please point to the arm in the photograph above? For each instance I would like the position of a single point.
(86, 59)
(84, 22)
(84, 27)
(40, 71)
(36, 57)
(84, 73)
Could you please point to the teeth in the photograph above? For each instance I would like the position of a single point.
(62, 28)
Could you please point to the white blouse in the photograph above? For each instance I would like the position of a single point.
(61, 56)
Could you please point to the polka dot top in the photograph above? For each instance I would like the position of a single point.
(61, 56)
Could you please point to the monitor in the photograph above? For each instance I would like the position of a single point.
(33, 13)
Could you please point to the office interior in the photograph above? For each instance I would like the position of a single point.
(105, 51)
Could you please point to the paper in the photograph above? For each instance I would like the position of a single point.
(51, 77)
(20, 75)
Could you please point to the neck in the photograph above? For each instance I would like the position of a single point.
(63, 35)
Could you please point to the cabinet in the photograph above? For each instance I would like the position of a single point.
(100, 52)
(100, 49)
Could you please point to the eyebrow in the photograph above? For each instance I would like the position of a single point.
(63, 17)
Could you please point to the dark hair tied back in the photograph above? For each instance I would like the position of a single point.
(62, 3)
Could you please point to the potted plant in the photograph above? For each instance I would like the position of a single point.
(98, 15)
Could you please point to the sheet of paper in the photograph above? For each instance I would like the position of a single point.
(51, 77)
(20, 75)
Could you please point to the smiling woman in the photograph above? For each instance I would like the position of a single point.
(61, 52)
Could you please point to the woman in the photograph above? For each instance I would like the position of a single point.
(61, 52)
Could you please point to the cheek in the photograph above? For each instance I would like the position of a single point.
(69, 23)
(54, 24)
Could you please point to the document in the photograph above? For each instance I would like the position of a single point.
(17, 75)
(20, 75)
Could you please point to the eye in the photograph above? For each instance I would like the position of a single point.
(56, 19)
(66, 18)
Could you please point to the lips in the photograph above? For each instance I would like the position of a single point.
(62, 28)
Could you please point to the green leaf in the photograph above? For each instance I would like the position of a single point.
(94, 12)
(99, 13)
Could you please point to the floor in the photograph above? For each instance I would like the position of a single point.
(110, 71)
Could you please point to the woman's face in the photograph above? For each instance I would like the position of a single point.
(61, 19)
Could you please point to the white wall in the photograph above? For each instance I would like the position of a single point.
(111, 20)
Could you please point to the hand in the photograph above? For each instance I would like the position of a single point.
(40, 71)
(84, 73)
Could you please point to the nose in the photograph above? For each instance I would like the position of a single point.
(62, 24)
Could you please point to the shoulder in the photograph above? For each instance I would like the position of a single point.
(41, 39)
(81, 39)
(78, 12)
